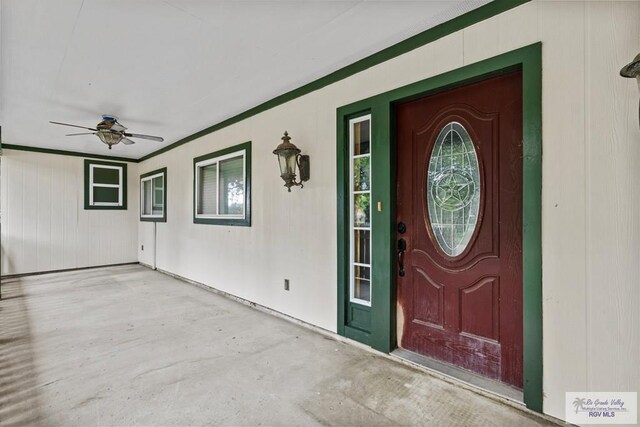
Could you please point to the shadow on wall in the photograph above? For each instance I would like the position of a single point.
(19, 403)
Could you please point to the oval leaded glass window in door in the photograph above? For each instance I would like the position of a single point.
(453, 189)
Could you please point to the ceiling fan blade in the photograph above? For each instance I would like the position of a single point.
(127, 141)
(81, 133)
(137, 135)
(75, 126)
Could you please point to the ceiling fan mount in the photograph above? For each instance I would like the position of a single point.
(111, 132)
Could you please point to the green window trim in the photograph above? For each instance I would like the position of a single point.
(245, 219)
(382, 332)
(163, 217)
(92, 173)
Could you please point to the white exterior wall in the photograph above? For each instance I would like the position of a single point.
(44, 224)
(590, 203)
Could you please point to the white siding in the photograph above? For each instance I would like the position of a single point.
(612, 197)
(44, 224)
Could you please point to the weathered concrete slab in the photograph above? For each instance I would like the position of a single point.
(130, 346)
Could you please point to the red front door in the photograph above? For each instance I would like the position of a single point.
(459, 214)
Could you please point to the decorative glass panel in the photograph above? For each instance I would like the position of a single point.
(453, 189)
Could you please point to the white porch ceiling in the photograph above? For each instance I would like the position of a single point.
(172, 68)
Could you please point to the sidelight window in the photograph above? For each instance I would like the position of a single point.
(360, 211)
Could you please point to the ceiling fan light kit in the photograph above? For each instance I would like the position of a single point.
(111, 132)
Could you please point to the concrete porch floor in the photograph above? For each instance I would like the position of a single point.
(130, 346)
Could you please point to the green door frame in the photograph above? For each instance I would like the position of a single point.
(381, 334)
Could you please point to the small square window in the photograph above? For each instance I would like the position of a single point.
(105, 185)
(153, 196)
(222, 186)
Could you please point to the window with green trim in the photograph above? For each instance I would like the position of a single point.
(153, 196)
(222, 185)
(105, 185)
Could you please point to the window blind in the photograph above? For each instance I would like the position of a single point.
(207, 204)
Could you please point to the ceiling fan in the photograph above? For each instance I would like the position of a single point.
(111, 132)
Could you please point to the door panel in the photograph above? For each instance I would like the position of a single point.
(459, 192)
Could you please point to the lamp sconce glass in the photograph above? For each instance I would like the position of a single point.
(632, 71)
(290, 159)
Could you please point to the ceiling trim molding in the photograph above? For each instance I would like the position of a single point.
(456, 24)
(66, 153)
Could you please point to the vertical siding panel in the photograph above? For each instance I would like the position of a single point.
(613, 232)
(3, 221)
(11, 224)
(563, 202)
(56, 217)
(145, 233)
(16, 242)
(29, 260)
(81, 231)
(4, 203)
(129, 234)
(70, 209)
(43, 216)
(92, 225)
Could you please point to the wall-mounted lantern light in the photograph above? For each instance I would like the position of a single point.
(289, 158)
(632, 71)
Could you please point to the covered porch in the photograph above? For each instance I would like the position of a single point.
(127, 345)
